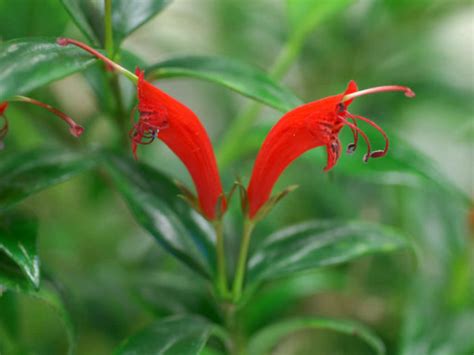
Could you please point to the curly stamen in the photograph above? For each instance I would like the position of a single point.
(364, 136)
(408, 92)
(375, 153)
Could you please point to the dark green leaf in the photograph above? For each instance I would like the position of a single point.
(316, 244)
(153, 199)
(184, 335)
(21, 18)
(305, 15)
(268, 337)
(242, 78)
(127, 16)
(23, 174)
(27, 64)
(19, 259)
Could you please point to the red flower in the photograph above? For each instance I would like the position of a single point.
(4, 128)
(309, 126)
(163, 117)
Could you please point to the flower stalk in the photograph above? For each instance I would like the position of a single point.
(242, 261)
(221, 277)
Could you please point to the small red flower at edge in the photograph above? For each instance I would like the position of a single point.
(309, 126)
(163, 117)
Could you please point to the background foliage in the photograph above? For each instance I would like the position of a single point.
(106, 278)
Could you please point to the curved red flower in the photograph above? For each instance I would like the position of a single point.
(309, 126)
(164, 117)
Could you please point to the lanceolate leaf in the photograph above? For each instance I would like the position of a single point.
(19, 262)
(184, 335)
(27, 64)
(268, 337)
(153, 200)
(242, 78)
(127, 16)
(316, 244)
(23, 174)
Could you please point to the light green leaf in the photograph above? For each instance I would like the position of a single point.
(184, 335)
(127, 16)
(19, 261)
(23, 174)
(27, 64)
(316, 244)
(242, 78)
(268, 337)
(153, 200)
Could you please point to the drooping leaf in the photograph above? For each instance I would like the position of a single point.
(127, 16)
(23, 174)
(305, 15)
(268, 337)
(19, 261)
(184, 335)
(316, 244)
(153, 200)
(240, 77)
(27, 64)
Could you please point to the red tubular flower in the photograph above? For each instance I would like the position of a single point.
(309, 126)
(163, 117)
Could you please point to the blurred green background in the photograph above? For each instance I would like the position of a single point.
(104, 261)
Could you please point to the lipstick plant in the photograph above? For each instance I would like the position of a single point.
(226, 275)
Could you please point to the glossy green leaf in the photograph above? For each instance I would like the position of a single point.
(242, 78)
(315, 244)
(184, 335)
(153, 200)
(23, 174)
(19, 261)
(127, 16)
(305, 15)
(270, 336)
(27, 64)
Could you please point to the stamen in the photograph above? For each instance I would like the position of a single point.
(408, 92)
(375, 153)
(351, 147)
(366, 139)
(111, 65)
(75, 129)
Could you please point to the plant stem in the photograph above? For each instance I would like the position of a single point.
(239, 127)
(242, 262)
(108, 31)
(221, 280)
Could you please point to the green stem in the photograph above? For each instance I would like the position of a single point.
(240, 126)
(242, 262)
(109, 35)
(221, 279)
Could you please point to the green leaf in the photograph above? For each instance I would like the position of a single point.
(242, 78)
(153, 200)
(305, 15)
(51, 296)
(268, 337)
(19, 261)
(27, 64)
(317, 244)
(127, 16)
(184, 335)
(23, 174)
(24, 18)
